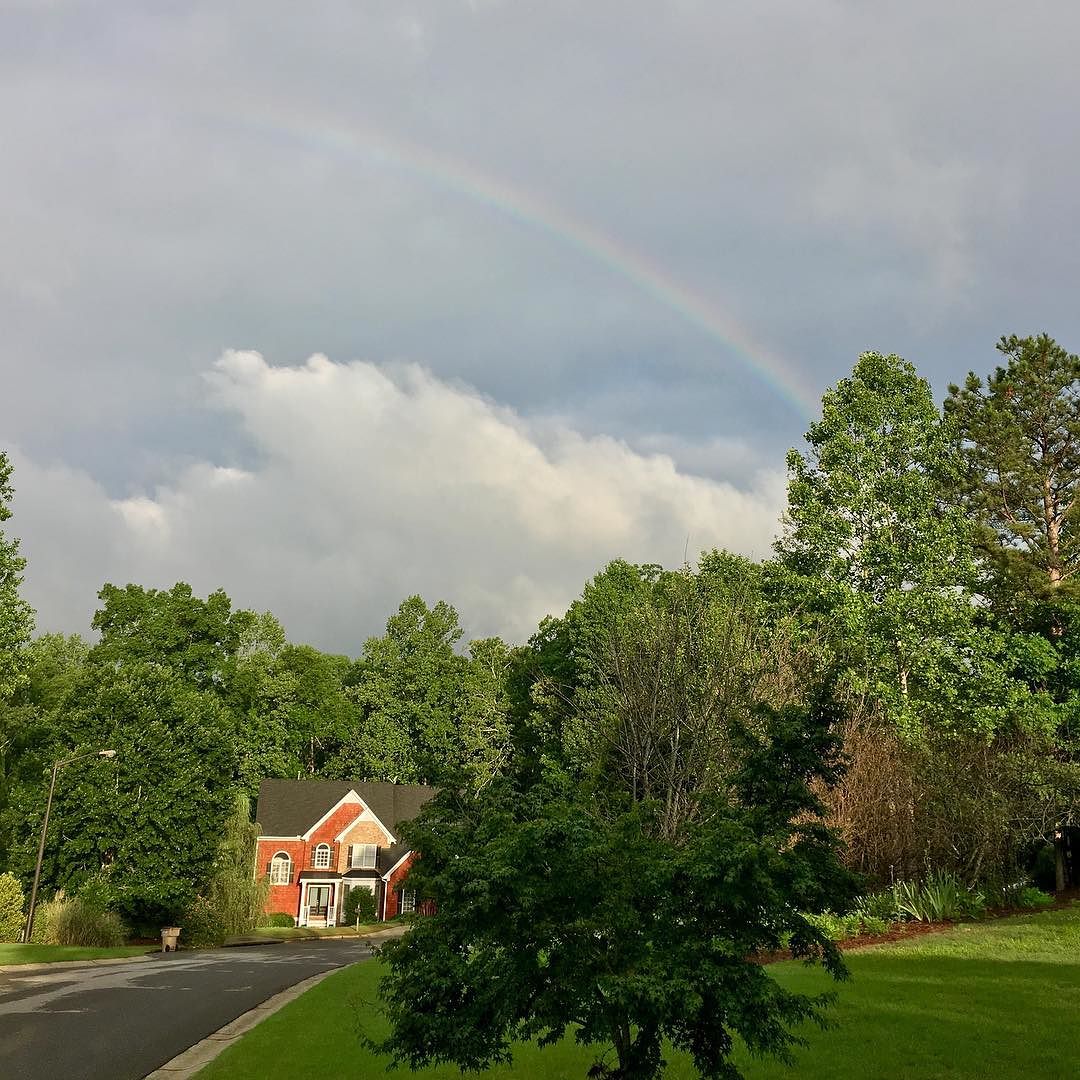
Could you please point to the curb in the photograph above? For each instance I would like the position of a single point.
(67, 965)
(195, 1058)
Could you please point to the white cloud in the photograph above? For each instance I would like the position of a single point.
(372, 483)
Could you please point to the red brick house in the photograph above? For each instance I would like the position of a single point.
(320, 838)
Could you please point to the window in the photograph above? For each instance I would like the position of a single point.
(407, 901)
(363, 856)
(280, 869)
(321, 861)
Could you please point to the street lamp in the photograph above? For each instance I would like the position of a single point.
(57, 766)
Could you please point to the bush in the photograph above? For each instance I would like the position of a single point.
(880, 906)
(277, 918)
(359, 906)
(74, 921)
(940, 897)
(1032, 897)
(202, 926)
(11, 908)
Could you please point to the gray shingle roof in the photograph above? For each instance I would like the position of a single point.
(291, 807)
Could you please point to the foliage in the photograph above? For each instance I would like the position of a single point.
(939, 897)
(278, 919)
(12, 913)
(638, 937)
(1031, 897)
(16, 615)
(237, 895)
(359, 906)
(883, 562)
(75, 921)
(852, 925)
(1020, 438)
(202, 925)
(150, 818)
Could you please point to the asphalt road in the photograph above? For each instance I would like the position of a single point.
(122, 1021)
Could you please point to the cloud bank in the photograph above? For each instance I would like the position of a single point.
(368, 483)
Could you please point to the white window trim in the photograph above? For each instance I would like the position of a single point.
(316, 864)
(402, 910)
(362, 865)
(276, 859)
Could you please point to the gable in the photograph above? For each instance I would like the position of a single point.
(292, 808)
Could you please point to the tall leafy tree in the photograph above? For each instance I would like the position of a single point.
(16, 615)
(197, 638)
(150, 819)
(883, 558)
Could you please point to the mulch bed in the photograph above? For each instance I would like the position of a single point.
(901, 930)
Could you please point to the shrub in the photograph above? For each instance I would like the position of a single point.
(1032, 897)
(11, 908)
(940, 897)
(277, 918)
(359, 906)
(74, 921)
(880, 906)
(202, 925)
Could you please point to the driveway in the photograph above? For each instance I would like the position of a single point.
(122, 1021)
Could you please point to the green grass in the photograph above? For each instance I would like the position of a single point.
(985, 1000)
(47, 954)
(306, 933)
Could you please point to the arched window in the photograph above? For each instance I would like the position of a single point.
(281, 869)
(322, 857)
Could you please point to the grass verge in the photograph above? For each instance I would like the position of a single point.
(990, 999)
(47, 954)
(306, 933)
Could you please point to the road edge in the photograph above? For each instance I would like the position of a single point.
(195, 1058)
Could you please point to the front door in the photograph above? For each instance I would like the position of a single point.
(318, 897)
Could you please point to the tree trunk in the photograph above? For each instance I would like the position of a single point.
(1059, 860)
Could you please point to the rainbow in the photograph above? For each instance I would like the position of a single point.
(367, 143)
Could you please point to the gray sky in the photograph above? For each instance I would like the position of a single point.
(571, 267)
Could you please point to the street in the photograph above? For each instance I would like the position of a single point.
(122, 1021)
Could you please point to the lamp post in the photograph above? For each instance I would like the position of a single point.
(57, 766)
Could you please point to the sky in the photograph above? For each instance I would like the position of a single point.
(332, 304)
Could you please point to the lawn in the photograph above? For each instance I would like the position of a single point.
(306, 933)
(47, 954)
(996, 999)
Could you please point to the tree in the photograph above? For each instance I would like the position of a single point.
(197, 638)
(882, 560)
(150, 819)
(16, 615)
(236, 894)
(558, 907)
(408, 689)
(1019, 436)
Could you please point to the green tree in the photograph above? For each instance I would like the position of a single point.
(236, 893)
(408, 687)
(1019, 437)
(16, 615)
(559, 909)
(150, 819)
(197, 638)
(883, 560)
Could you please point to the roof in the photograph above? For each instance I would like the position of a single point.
(291, 807)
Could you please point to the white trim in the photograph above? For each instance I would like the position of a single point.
(331, 907)
(280, 838)
(319, 848)
(350, 796)
(289, 861)
(366, 815)
(386, 876)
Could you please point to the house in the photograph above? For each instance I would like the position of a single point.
(320, 838)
